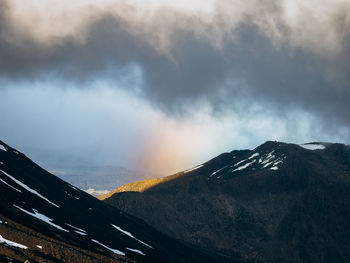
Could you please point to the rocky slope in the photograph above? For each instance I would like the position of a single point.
(277, 203)
(44, 219)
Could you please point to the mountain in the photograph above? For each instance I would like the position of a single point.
(277, 203)
(45, 219)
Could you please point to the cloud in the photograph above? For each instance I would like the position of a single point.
(103, 125)
(282, 55)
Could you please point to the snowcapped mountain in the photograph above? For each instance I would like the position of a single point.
(277, 203)
(44, 219)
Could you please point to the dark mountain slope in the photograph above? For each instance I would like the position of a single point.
(277, 203)
(45, 219)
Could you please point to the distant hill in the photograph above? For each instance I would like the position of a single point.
(96, 180)
(45, 219)
(86, 174)
(277, 203)
(139, 186)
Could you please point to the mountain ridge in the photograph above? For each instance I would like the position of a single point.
(255, 202)
(44, 219)
(143, 185)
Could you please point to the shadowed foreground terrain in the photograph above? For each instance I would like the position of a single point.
(44, 219)
(277, 203)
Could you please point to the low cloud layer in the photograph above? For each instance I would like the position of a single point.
(236, 57)
(104, 125)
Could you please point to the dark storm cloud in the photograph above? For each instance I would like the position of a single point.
(248, 68)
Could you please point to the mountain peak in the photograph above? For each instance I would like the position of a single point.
(280, 202)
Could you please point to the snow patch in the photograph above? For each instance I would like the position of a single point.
(268, 157)
(268, 164)
(194, 168)
(130, 235)
(41, 217)
(254, 155)
(76, 189)
(244, 166)
(274, 162)
(240, 162)
(115, 251)
(10, 185)
(77, 230)
(313, 146)
(136, 251)
(277, 162)
(28, 188)
(217, 171)
(80, 233)
(266, 160)
(2, 147)
(11, 243)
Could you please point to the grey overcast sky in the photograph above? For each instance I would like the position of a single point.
(164, 85)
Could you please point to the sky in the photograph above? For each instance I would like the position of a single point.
(161, 86)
